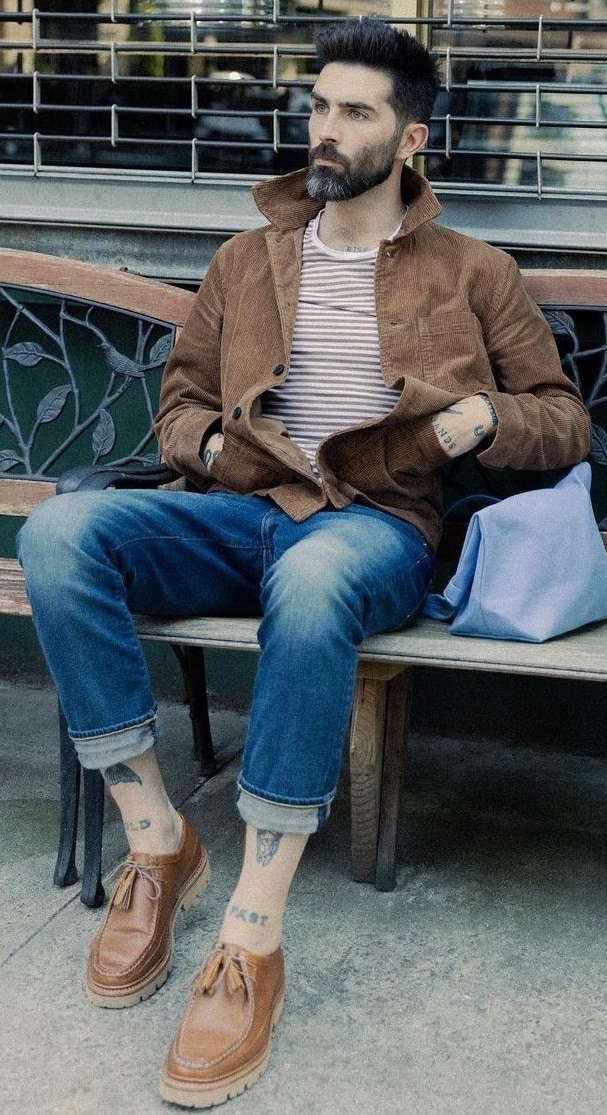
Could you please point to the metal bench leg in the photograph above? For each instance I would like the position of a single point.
(71, 775)
(191, 660)
(377, 747)
(69, 778)
(92, 892)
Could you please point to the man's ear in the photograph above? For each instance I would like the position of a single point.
(414, 137)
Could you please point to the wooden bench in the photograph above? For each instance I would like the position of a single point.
(386, 662)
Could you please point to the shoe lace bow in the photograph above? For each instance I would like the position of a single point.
(131, 870)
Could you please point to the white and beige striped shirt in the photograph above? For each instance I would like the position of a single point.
(335, 378)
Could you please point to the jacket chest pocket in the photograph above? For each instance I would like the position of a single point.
(453, 354)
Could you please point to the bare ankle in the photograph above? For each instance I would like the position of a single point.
(251, 928)
(154, 835)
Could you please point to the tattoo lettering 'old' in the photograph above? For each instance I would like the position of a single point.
(137, 826)
(121, 773)
(267, 845)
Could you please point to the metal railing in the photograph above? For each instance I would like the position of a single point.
(184, 91)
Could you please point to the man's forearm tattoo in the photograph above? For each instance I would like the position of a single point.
(118, 773)
(267, 845)
(443, 433)
(447, 437)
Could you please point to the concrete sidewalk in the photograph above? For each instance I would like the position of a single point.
(476, 988)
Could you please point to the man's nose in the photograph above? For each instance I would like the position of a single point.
(327, 128)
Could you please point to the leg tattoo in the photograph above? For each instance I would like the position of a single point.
(120, 773)
(137, 826)
(251, 916)
(267, 845)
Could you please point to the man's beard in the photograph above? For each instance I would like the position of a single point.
(373, 165)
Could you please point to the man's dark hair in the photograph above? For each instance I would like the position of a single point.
(375, 43)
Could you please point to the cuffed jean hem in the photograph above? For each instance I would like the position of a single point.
(273, 815)
(95, 752)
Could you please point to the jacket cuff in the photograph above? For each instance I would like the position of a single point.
(214, 428)
(418, 446)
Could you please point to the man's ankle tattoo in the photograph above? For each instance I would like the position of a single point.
(267, 845)
(252, 917)
(120, 772)
(137, 826)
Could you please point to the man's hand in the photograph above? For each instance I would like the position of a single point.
(464, 425)
(212, 447)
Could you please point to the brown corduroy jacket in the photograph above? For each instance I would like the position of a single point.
(453, 319)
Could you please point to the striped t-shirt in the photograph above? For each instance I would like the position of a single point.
(335, 378)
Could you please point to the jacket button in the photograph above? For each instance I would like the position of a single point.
(236, 413)
(278, 370)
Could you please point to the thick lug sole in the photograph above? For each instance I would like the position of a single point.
(211, 1095)
(120, 999)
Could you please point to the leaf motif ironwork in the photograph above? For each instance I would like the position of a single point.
(8, 460)
(52, 404)
(27, 353)
(104, 435)
(598, 451)
(160, 352)
(90, 356)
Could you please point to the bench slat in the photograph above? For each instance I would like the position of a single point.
(219, 633)
(13, 599)
(118, 289)
(579, 655)
(19, 497)
(566, 287)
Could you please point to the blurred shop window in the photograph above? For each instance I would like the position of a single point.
(525, 100)
(186, 88)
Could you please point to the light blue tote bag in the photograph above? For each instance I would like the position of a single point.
(532, 566)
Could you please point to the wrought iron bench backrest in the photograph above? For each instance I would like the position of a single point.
(82, 356)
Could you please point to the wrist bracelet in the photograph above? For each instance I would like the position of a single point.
(492, 411)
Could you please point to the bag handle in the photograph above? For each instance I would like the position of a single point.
(480, 499)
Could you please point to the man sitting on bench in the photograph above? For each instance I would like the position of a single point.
(334, 360)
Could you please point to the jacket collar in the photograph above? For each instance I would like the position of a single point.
(286, 204)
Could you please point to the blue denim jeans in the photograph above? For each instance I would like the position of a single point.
(92, 559)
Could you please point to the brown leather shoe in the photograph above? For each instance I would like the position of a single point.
(132, 954)
(223, 1043)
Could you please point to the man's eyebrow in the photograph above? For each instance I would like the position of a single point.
(344, 104)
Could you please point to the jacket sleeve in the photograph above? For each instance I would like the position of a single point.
(542, 421)
(190, 396)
